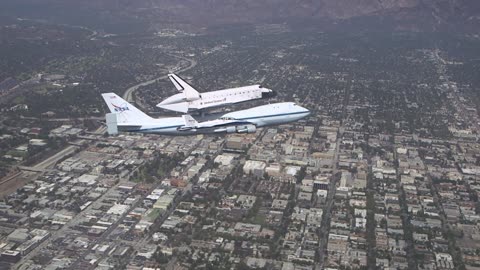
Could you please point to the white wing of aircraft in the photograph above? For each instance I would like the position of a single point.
(189, 99)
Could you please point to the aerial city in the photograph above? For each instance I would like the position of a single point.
(240, 134)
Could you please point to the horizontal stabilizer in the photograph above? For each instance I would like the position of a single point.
(112, 127)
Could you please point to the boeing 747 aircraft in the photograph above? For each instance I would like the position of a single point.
(190, 99)
(126, 117)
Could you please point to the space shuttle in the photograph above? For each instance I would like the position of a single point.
(189, 99)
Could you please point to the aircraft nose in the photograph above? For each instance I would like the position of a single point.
(305, 110)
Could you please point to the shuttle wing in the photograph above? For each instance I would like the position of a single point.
(183, 87)
(176, 107)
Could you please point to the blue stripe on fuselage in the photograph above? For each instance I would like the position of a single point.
(273, 115)
(246, 118)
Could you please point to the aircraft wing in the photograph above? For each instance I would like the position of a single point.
(183, 87)
(191, 123)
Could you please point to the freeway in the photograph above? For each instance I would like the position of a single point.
(55, 158)
(128, 96)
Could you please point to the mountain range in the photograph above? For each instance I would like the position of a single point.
(415, 15)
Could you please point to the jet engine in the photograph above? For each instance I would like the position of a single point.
(231, 129)
(237, 129)
(246, 129)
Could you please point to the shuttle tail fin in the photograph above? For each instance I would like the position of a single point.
(126, 113)
(183, 87)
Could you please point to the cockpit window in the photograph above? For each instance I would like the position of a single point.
(227, 118)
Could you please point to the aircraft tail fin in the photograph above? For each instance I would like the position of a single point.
(189, 121)
(126, 113)
(183, 87)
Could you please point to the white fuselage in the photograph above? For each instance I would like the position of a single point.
(180, 103)
(266, 115)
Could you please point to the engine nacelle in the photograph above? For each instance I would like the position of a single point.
(237, 129)
(246, 129)
(231, 129)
